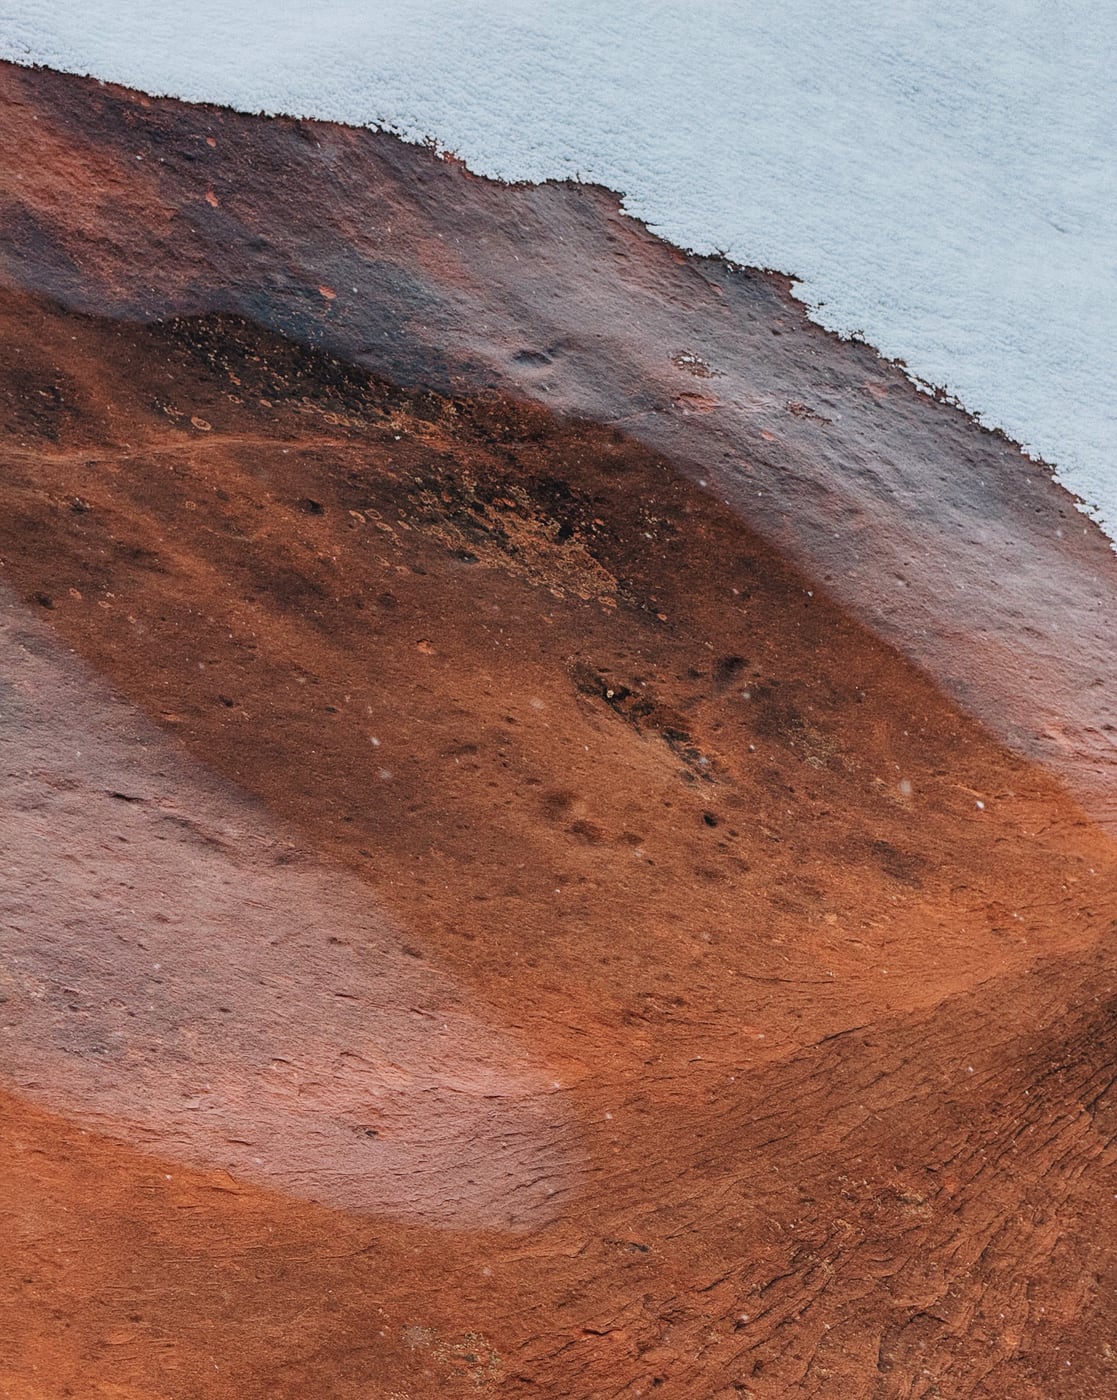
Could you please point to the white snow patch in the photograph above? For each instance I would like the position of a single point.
(939, 178)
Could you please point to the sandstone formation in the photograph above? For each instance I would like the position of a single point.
(527, 865)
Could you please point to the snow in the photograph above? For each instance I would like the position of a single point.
(939, 178)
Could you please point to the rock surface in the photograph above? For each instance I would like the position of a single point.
(940, 535)
(511, 929)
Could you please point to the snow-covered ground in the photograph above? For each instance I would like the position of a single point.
(939, 177)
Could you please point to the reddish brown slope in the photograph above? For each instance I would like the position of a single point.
(828, 1046)
(941, 536)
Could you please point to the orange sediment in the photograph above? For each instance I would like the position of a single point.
(478, 917)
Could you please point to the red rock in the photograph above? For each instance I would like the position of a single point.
(823, 1087)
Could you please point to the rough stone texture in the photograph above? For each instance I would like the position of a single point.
(585, 968)
(940, 535)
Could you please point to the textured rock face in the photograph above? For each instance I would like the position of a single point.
(513, 932)
(941, 536)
